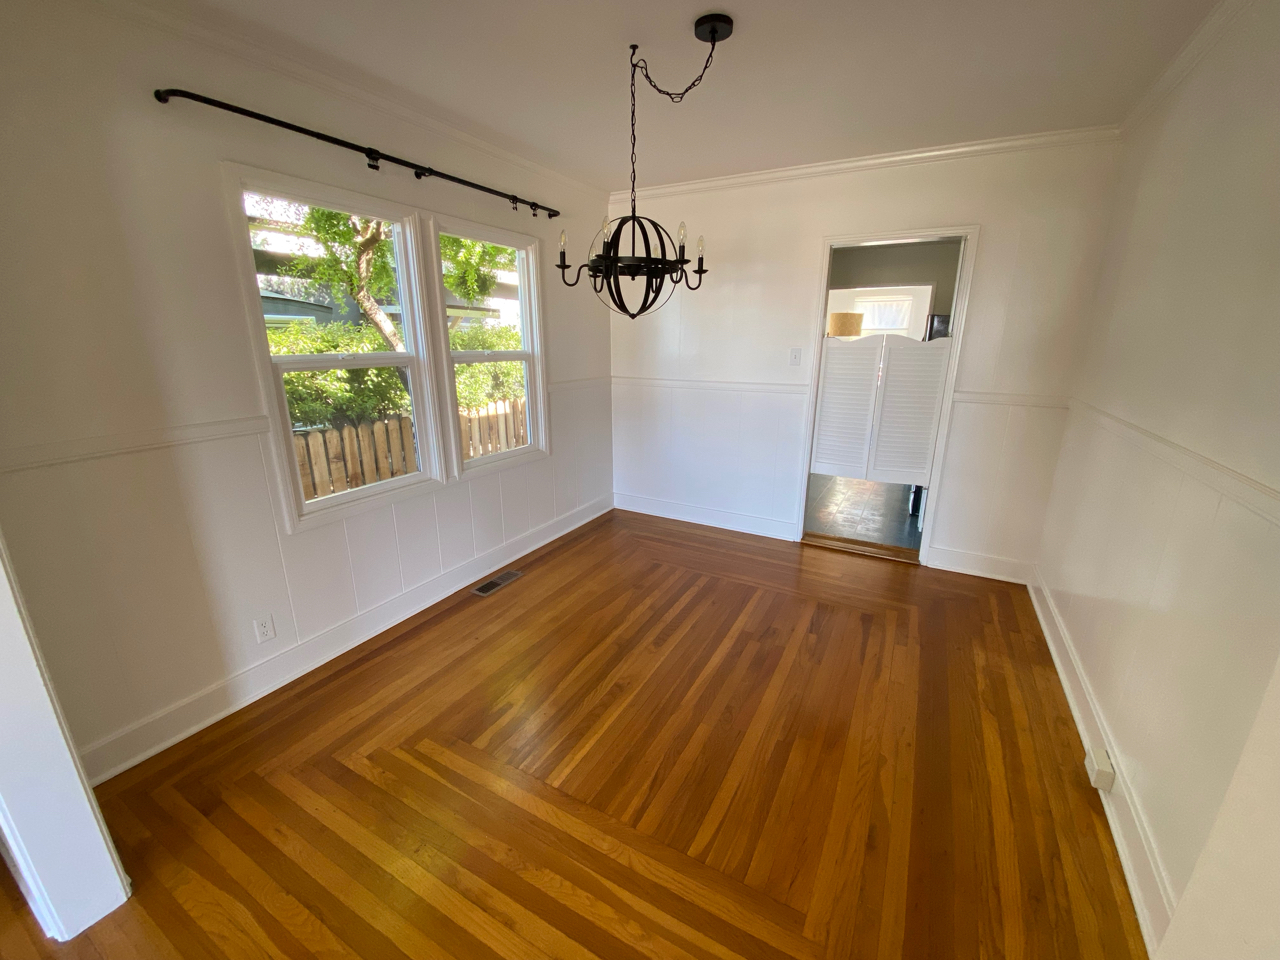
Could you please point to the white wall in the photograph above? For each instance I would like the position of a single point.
(710, 421)
(51, 833)
(1231, 907)
(132, 482)
(1162, 547)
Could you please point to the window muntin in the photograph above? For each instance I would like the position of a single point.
(344, 361)
(487, 307)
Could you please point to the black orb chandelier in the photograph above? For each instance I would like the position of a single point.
(634, 263)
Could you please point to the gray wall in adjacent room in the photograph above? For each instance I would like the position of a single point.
(903, 264)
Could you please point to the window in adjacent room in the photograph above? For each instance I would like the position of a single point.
(900, 310)
(345, 344)
(493, 341)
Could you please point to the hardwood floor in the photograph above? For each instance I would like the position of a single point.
(663, 741)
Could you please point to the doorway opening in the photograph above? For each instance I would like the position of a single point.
(885, 360)
(863, 515)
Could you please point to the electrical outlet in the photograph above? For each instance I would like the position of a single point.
(1097, 763)
(265, 629)
(796, 353)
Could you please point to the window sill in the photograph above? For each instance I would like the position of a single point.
(495, 462)
(339, 506)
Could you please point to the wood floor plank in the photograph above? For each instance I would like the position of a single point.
(682, 876)
(663, 742)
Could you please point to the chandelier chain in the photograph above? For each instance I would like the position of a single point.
(675, 97)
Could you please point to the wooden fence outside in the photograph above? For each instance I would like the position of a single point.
(502, 425)
(333, 460)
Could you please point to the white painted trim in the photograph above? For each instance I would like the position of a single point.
(980, 565)
(1149, 882)
(1205, 38)
(72, 919)
(672, 510)
(832, 168)
(577, 384)
(729, 386)
(28, 878)
(1011, 399)
(1251, 494)
(136, 742)
(111, 445)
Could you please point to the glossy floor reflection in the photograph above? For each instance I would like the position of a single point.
(861, 510)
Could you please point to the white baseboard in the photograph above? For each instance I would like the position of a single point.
(743, 523)
(123, 749)
(1149, 886)
(978, 564)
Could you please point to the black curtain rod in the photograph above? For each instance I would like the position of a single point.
(373, 157)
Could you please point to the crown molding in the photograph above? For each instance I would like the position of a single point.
(283, 56)
(831, 168)
(1205, 38)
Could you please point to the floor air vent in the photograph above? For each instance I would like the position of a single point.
(501, 580)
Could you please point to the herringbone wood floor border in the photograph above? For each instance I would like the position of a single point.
(664, 741)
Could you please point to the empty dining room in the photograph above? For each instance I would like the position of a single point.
(604, 481)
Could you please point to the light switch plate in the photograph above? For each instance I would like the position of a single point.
(796, 354)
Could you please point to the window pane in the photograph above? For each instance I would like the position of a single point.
(879, 316)
(351, 428)
(482, 294)
(327, 279)
(492, 411)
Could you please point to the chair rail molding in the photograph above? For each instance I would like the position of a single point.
(110, 445)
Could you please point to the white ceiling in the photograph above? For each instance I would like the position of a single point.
(799, 82)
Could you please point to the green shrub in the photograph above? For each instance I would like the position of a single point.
(336, 398)
(478, 383)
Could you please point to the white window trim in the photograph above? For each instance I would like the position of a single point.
(533, 354)
(419, 251)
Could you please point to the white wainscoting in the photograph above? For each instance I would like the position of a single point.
(730, 455)
(157, 555)
(1157, 592)
(725, 454)
(1002, 449)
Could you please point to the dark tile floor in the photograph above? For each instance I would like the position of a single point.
(861, 510)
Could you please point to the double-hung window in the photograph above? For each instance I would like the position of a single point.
(396, 349)
(337, 280)
(490, 314)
